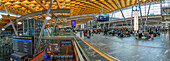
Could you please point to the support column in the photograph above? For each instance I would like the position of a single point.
(131, 18)
(57, 18)
(110, 19)
(44, 24)
(104, 25)
(136, 21)
(147, 15)
(54, 25)
(13, 26)
(90, 24)
(161, 11)
(140, 13)
(28, 28)
(81, 33)
(122, 14)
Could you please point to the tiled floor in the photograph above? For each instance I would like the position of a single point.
(130, 49)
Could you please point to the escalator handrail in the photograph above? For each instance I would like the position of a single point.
(110, 58)
(86, 57)
(78, 51)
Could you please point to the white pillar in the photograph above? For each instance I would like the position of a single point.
(136, 20)
(81, 32)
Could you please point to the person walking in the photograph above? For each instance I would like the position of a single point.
(105, 33)
(84, 32)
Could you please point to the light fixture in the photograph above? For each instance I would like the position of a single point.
(0, 16)
(3, 29)
(16, 5)
(19, 23)
(16, 2)
(32, 4)
(33, 1)
(48, 23)
(48, 17)
(25, 1)
(7, 3)
(20, 34)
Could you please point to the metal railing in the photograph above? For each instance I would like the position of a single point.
(92, 52)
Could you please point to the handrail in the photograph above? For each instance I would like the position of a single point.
(78, 51)
(81, 50)
(110, 58)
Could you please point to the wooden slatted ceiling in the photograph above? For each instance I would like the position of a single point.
(78, 7)
(93, 6)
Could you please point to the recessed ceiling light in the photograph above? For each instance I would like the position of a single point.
(3, 29)
(19, 23)
(16, 2)
(16, 5)
(8, 3)
(25, 1)
(33, 1)
(48, 17)
(0, 16)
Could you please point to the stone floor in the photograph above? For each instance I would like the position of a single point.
(131, 49)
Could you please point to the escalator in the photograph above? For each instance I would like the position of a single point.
(61, 50)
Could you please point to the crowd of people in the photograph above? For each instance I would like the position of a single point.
(89, 32)
(124, 32)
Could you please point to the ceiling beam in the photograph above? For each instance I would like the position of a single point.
(58, 3)
(42, 5)
(120, 4)
(115, 4)
(4, 21)
(14, 11)
(130, 3)
(27, 7)
(125, 1)
(111, 4)
(135, 2)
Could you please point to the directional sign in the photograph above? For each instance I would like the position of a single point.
(73, 23)
(135, 8)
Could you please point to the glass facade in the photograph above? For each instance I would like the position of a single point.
(154, 10)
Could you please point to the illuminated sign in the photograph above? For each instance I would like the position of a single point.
(135, 8)
(73, 23)
(25, 40)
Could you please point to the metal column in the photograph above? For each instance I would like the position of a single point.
(13, 26)
(140, 13)
(161, 11)
(104, 25)
(57, 18)
(122, 13)
(54, 25)
(147, 14)
(44, 24)
(28, 28)
(110, 19)
(131, 17)
(90, 24)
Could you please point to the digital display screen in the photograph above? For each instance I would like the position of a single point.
(23, 45)
(102, 17)
(73, 23)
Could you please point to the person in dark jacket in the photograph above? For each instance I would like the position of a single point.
(105, 33)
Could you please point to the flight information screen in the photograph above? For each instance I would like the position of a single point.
(102, 17)
(23, 45)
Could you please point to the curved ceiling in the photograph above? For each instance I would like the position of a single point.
(77, 7)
